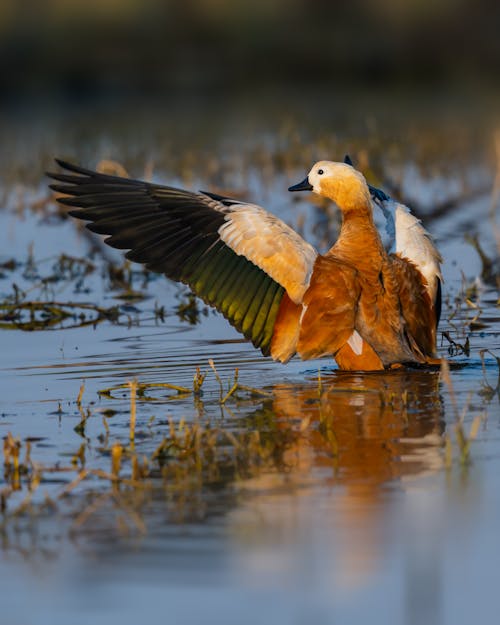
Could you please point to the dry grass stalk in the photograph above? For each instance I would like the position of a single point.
(133, 409)
(464, 440)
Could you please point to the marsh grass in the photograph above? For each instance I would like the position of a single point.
(36, 315)
(488, 391)
(191, 457)
(20, 311)
(113, 479)
(463, 438)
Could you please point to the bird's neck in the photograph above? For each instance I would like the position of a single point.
(359, 241)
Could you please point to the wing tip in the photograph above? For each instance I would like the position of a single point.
(77, 169)
(81, 172)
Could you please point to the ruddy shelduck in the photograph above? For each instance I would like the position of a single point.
(367, 308)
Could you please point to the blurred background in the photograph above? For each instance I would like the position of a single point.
(112, 52)
(120, 79)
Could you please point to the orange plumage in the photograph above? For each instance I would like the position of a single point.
(368, 309)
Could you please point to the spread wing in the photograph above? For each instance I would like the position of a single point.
(417, 308)
(235, 256)
(328, 319)
(409, 239)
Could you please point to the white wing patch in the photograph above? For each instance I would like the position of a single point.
(355, 342)
(415, 243)
(412, 241)
(270, 244)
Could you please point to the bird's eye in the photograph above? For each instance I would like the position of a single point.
(320, 172)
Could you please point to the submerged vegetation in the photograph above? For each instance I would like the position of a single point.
(283, 435)
(190, 457)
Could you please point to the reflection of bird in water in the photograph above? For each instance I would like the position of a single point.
(368, 309)
(364, 435)
(369, 428)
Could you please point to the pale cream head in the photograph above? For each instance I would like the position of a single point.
(341, 183)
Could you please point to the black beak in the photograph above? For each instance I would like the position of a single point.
(301, 186)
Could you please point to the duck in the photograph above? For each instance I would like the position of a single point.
(406, 237)
(368, 308)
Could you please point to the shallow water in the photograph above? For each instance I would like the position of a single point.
(360, 515)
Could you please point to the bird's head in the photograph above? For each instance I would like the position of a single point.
(339, 182)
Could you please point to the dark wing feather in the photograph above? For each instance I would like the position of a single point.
(176, 232)
(438, 301)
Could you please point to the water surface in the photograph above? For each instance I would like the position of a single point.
(364, 508)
